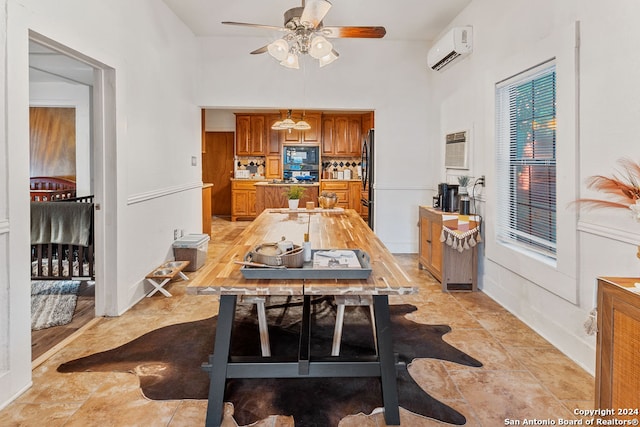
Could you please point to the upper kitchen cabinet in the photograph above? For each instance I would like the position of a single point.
(367, 122)
(341, 135)
(311, 136)
(274, 146)
(250, 135)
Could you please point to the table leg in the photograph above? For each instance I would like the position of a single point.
(388, 374)
(220, 358)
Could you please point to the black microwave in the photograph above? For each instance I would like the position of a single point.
(301, 161)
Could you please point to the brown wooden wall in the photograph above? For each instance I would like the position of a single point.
(53, 141)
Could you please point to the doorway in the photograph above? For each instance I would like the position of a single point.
(62, 77)
(217, 169)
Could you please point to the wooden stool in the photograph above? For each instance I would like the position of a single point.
(165, 273)
(351, 300)
(259, 301)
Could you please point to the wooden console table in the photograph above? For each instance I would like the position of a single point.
(328, 230)
(457, 271)
(618, 345)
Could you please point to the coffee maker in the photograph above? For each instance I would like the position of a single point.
(448, 197)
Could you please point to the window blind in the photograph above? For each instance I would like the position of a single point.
(526, 160)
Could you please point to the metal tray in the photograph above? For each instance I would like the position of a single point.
(307, 271)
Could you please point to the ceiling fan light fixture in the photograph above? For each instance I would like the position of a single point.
(320, 47)
(328, 58)
(306, 34)
(291, 61)
(279, 49)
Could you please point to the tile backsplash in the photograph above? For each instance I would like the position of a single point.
(255, 166)
(341, 164)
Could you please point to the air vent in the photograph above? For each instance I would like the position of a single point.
(456, 150)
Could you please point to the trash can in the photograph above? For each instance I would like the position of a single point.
(192, 248)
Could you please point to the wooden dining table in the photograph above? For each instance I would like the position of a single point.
(327, 229)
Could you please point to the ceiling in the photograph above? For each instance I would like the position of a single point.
(403, 19)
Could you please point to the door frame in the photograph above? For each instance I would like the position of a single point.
(104, 174)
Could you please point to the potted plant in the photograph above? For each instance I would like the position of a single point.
(464, 205)
(294, 193)
(463, 183)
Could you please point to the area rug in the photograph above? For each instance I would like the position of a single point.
(53, 302)
(168, 363)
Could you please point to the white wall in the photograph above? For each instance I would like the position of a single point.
(148, 174)
(389, 77)
(597, 122)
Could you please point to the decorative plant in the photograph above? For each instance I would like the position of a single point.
(625, 187)
(463, 182)
(295, 192)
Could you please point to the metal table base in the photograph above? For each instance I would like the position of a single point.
(222, 365)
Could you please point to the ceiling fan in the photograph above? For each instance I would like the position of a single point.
(305, 33)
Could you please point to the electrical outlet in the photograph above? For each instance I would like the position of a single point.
(481, 181)
(176, 234)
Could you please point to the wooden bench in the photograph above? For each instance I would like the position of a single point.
(164, 273)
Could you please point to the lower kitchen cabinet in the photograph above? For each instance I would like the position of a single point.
(243, 199)
(457, 271)
(349, 193)
(618, 344)
(355, 196)
(269, 196)
(341, 188)
(206, 208)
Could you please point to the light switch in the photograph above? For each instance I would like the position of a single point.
(194, 161)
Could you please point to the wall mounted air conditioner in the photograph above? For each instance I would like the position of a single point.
(456, 43)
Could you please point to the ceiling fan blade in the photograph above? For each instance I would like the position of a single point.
(262, 49)
(314, 12)
(244, 24)
(354, 32)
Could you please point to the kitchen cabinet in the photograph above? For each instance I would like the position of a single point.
(457, 271)
(348, 192)
(355, 194)
(274, 196)
(310, 136)
(206, 208)
(341, 188)
(367, 122)
(273, 167)
(273, 144)
(618, 341)
(341, 135)
(250, 134)
(243, 199)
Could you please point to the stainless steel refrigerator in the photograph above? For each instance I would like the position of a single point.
(366, 163)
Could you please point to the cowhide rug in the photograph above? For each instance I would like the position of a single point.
(168, 363)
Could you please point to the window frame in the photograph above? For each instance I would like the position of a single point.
(559, 277)
(511, 204)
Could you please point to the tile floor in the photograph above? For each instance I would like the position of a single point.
(523, 376)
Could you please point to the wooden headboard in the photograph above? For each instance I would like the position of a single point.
(47, 188)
